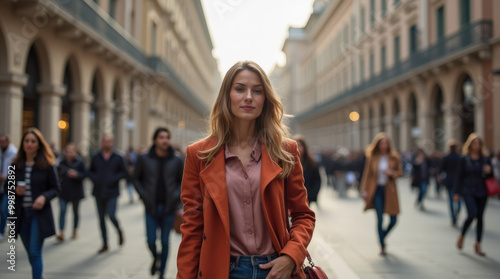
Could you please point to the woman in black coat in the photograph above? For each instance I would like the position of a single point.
(312, 178)
(33, 178)
(420, 176)
(473, 168)
(72, 172)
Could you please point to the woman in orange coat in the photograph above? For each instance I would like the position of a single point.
(236, 185)
(378, 187)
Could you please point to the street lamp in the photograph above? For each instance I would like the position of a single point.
(354, 116)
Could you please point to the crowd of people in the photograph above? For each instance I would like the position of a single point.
(245, 190)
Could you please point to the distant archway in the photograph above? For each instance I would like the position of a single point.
(31, 102)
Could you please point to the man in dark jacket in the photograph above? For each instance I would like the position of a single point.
(157, 179)
(106, 170)
(448, 169)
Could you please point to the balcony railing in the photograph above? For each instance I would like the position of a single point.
(83, 12)
(476, 33)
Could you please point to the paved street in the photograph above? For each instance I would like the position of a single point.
(422, 244)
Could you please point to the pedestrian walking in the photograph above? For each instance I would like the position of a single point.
(474, 167)
(448, 171)
(37, 184)
(495, 164)
(7, 153)
(420, 176)
(312, 178)
(130, 160)
(72, 172)
(378, 187)
(106, 170)
(237, 184)
(157, 178)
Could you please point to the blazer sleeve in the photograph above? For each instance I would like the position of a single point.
(138, 176)
(459, 177)
(188, 256)
(303, 218)
(82, 172)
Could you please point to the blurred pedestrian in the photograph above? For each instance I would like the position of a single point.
(495, 165)
(448, 171)
(312, 178)
(130, 160)
(106, 170)
(37, 184)
(72, 172)
(237, 184)
(7, 153)
(434, 162)
(378, 187)
(158, 178)
(474, 167)
(420, 176)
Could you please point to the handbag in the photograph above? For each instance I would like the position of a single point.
(312, 271)
(492, 186)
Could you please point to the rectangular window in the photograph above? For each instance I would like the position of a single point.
(382, 58)
(361, 69)
(153, 38)
(363, 17)
(384, 8)
(112, 8)
(440, 31)
(413, 39)
(372, 65)
(372, 13)
(397, 51)
(465, 12)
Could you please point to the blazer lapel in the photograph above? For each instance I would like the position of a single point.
(269, 171)
(214, 179)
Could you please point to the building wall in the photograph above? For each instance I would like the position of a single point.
(121, 87)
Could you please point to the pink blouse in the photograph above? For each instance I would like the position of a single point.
(248, 228)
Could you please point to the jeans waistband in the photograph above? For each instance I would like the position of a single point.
(252, 259)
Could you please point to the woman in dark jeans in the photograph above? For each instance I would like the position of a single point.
(72, 172)
(36, 183)
(474, 167)
(420, 176)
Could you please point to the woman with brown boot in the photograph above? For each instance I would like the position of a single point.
(474, 167)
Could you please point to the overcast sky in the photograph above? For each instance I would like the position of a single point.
(252, 29)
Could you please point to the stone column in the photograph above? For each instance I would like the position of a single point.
(105, 114)
(80, 123)
(50, 111)
(425, 119)
(11, 105)
(405, 132)
(452, 122)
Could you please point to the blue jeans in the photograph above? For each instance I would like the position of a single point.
(32, 241)
(63, 204)
(421, 193)
(379, 202)
(247, 267)
(454, 206)
(107, 207)
(162, 221)
(3, 210)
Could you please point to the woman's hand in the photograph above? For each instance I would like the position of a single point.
(456, 197)
(364, 195)
(39, 202)
(20, 190)
(281, 267)
(486, 169)
(389, 172)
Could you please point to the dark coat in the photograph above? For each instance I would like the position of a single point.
(312, 181)
(418, 177)
(106, 175)
(470, 178)
(449, 167)
(146, 179)
(72, 188)
(43, 182)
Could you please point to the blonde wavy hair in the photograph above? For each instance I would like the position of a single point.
(468, 143)
(373, 149)
(269, 127)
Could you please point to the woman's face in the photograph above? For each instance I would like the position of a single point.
(70, 152)
(247, 96)
(30, 144)
(475, 145)
(383, 145)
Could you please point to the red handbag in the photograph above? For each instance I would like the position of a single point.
(492, 186)
(312, 271)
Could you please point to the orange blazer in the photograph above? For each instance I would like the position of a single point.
(204, 251)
